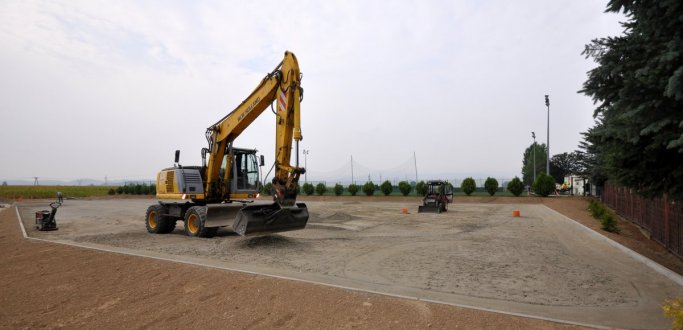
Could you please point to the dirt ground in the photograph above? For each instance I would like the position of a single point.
(474, 255)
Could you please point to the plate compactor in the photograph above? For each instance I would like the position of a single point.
(45, 220)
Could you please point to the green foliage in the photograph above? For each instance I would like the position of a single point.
(468, 186)
(564, 164)
(491, 185)
(111, 191)
(421, 188)
(119, 190)
(18, 192)
(528, 162)
(386, 188)
(544, 185)
(338, 189)
(516, 186)
(605, 215)
(320, 188)
(267, 189)
(308, 189)
(369, 188)
(353, 189)
(405, 188)
(596, 209)
(638, 89)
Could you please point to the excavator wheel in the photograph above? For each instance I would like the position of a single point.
(157, 223)
(195, 219)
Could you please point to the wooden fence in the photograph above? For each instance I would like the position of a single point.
(662, 217)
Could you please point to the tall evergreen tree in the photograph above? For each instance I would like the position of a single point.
(638, 90)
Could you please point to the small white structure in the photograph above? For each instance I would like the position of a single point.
(579, 186)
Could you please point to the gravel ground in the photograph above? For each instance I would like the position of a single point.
(476, 254)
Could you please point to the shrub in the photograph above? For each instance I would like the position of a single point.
(308, 188)
(369, 188)
(144, 189)
(267, 189)
(596, 209)
(320, 189)
(491, 185)
(386, 188)
(405, 188)
(421, 188)
(608, 222)
(353, 189)
(468, 186)
(153, 189)
(515, 186)
(338, 189)
(544, 185)
(137, 189)
(119, 190)
(111, 191)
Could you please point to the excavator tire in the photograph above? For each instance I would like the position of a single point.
(157, 223)
(195, 219)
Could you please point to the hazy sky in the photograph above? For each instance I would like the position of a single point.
(111, 88)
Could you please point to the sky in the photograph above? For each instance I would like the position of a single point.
(95, 89)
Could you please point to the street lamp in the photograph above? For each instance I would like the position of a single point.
(533, 135)
(547, 163)
(306, 165)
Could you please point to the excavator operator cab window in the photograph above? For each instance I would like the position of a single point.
(246, 171)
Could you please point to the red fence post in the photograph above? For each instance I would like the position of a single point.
(667, 207)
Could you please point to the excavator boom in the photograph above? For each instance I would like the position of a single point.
(221, 187)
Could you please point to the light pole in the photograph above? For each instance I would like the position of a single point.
(306, 165)
(547, 163)
(533, 135)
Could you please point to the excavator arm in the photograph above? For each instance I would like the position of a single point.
(282, 86)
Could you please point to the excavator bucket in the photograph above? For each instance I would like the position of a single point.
(270, 218)
(257, 219)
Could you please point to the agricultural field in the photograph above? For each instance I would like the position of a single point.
(33, 192)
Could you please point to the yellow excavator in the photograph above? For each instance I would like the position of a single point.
(221, 192)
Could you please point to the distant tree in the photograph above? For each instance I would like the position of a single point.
(491, 185)
(528, 162)
(308, 189)
(353, 189)
(386, 188)
(111, 191)
(421, 188)
(638, 89)
(468, 186)
(119, 190)
(516, 186)
(320, 188)
(369, 188)
(338, 189)
(562, 165)
(4, 183)
(544, 185)
(405, 188)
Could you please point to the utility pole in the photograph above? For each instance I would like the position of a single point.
(35, 181)
(354, 182)
(533, 135)
(547, 163)
(415, 158)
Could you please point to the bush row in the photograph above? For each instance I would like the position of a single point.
(605, 215)
(134, 189)
(468, 186)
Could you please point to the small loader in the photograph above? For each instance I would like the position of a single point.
(439, 194)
